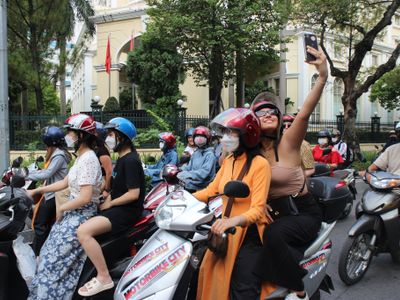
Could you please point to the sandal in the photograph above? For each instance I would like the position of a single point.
(93, 287)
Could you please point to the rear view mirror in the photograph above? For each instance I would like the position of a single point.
(236, 189)
(17, 181)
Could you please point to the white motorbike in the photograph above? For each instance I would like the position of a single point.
(166, 265)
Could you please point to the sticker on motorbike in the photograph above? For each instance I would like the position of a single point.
(319, 259)
(148, 257)
(163, 267)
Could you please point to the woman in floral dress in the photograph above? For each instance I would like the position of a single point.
(62, 258)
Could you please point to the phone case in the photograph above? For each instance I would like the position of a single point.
(310, 40)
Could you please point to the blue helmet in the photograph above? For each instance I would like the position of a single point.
(53, 136)
(101, 131)
(189, 132)
(123, 126)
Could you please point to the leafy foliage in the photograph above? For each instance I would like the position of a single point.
(156, 67)
(212, 35)
(386, 90)
(111, 104)
(125, 99)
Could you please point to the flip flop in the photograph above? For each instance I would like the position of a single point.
(93, 287)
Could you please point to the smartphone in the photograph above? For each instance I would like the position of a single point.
(310, 39)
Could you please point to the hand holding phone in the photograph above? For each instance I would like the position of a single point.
(310, 40)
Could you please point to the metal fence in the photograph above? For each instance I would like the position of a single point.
(25, 130)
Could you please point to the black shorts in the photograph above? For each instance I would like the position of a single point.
(121, 217)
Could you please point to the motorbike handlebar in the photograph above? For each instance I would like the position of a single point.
(231, 230)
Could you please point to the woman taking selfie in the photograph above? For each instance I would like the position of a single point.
(295, 214)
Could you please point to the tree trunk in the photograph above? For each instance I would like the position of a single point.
(349, 101)
(61, 73)
(239, 78)
(24, 108)
(216, 73)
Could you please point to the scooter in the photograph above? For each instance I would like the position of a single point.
(116, 248)
(15, 206)
(165, 266)
(345, 179)
(377, 229)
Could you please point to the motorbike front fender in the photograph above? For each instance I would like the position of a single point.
(365, 223)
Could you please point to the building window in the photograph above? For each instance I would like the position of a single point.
(374, 60)
(337, 96)
(316, 115)
(276, 83)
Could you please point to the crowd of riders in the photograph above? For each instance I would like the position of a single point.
(260, 146)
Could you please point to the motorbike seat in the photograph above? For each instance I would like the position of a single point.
(321, 238)
(105, 238)
(341, 174)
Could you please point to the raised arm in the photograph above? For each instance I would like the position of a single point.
(296, 133)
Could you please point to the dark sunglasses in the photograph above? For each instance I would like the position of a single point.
(267, 112)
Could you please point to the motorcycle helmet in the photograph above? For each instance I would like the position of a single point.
(81, 122)
(325, 133)
(268, 100)
(53, 136)
(168, 138)
(122, 125)
(287, 121)
(189, 132)
(242, 120)
(202, 131)
(101, 131)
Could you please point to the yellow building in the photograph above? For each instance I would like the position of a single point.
(119, 20)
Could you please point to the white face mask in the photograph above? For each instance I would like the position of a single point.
(70, 141)
(110, 142)
(161, 145)
(334, 140)
(230, 143)
(200, 141)
(322, 141)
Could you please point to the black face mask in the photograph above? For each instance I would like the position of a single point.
(393, 139)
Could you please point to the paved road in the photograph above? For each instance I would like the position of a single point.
(382, 280)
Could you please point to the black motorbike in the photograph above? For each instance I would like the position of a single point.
(377, 229)
(15, 206)
(344, 179)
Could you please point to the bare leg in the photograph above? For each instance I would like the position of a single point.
(86, 233)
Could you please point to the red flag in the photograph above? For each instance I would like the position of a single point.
(108, 58)
(132, 44)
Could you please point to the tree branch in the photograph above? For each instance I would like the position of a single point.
(334, 70)
(380, 71)
(365, 45)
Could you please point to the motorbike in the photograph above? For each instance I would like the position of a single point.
(117, 249)
(345, 179)
(15, 206)
(167, 264)
(376, 230)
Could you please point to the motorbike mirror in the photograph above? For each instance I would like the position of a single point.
(237, 189)
(17, 162)
(17, 181)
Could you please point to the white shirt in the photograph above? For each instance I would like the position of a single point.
(85, 171)
(389, 160)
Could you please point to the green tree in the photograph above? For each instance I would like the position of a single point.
(125, 99)
(155, 67)
(216, 37)
(111, 104)
(386, 90)
(361, 24)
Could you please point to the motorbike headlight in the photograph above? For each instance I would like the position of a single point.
(168, 211)
(384, 183)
